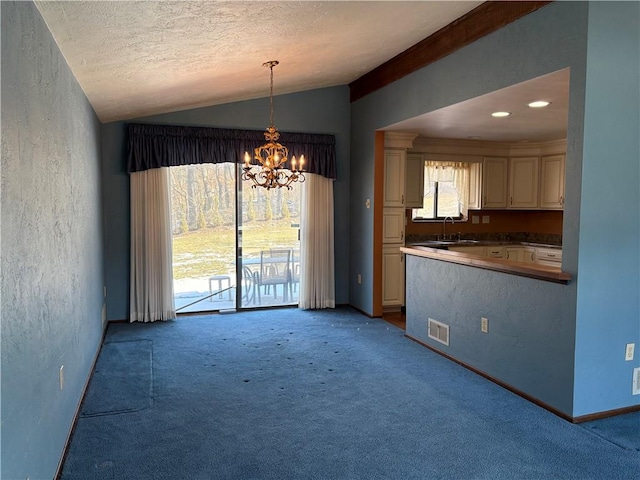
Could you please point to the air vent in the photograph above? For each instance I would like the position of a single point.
(439, 331)
(636, 381)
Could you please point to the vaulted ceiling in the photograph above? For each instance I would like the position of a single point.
(138, 58)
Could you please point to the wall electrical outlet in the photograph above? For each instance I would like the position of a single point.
(359, 279)
(475, 219)
(628, 353)
(61, 377)
(486, 218)
(484, 325)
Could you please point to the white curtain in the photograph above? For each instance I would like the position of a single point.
(317, 277)
(151, 296)
(456, 172)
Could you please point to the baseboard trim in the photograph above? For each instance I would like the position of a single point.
(367, 314)
(512, 389)
(77, 412)
(606, 414)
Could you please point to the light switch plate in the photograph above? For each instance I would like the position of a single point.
(475, 219)
(485, 219)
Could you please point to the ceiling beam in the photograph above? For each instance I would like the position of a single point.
(481, 21)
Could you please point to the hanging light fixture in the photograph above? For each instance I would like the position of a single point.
(272, 156)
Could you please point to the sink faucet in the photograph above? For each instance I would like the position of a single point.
(444, 227)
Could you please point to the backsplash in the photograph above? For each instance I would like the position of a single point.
(541, 238)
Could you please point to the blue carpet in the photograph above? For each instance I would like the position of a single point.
(122, 380)
(289, 394)
(622, 430)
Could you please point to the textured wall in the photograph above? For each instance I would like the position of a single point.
(531, 322)
(609, 273)
(542, 42)
(51, 237)
(545, 41)
(316, 111)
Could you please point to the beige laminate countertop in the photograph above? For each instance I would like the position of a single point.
(541, 272)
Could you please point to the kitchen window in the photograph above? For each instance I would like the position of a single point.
(446, 191)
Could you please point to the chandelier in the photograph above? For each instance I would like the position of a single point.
(272, 156)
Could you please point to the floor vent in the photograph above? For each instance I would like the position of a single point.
(439, 331)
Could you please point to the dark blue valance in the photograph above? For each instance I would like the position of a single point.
(154, 146)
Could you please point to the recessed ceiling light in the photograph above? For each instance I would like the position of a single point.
(500, 114)
(539, 104)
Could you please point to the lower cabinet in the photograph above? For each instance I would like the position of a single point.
(392, 276)
(520, 254)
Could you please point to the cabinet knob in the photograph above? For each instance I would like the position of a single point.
(561, 200)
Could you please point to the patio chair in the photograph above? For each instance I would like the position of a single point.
(275, 269)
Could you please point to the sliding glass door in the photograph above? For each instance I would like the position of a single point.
(203, 214)
(227, 234)
(270, 245)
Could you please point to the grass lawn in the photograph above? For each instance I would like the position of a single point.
(211, 251)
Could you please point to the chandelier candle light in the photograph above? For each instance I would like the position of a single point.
(272, 156)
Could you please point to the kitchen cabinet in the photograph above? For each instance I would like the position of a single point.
(392, 276)
(552, 182)
(520, 254)
(394, 178)
(475, 186)
(495, 252)
(549, 256)
(523, 182)
(393, 225)
(393, 218)
(494, 182)
(414, 181)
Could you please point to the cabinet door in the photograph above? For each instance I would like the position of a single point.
(515, 254)
(475, 186)
(392, 276)
(494, 182)
(529, 255)
(414, 181)
(393, 225)
(394, 171)
(552, 182)
(523, 182)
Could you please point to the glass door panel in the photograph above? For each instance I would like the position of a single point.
(269, 239)
(203, 216)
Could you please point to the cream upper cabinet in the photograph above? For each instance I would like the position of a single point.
(552, 182)
(414, 181)
(523, 182)
(394, 177)
(392, 276)
(475, 186)
(494, 182)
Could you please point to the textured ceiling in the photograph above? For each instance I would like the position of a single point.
(134, 59)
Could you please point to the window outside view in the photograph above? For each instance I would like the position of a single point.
(203, 215)
(441, 197)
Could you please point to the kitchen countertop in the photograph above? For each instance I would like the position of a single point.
(478, 243)
(540, 272)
